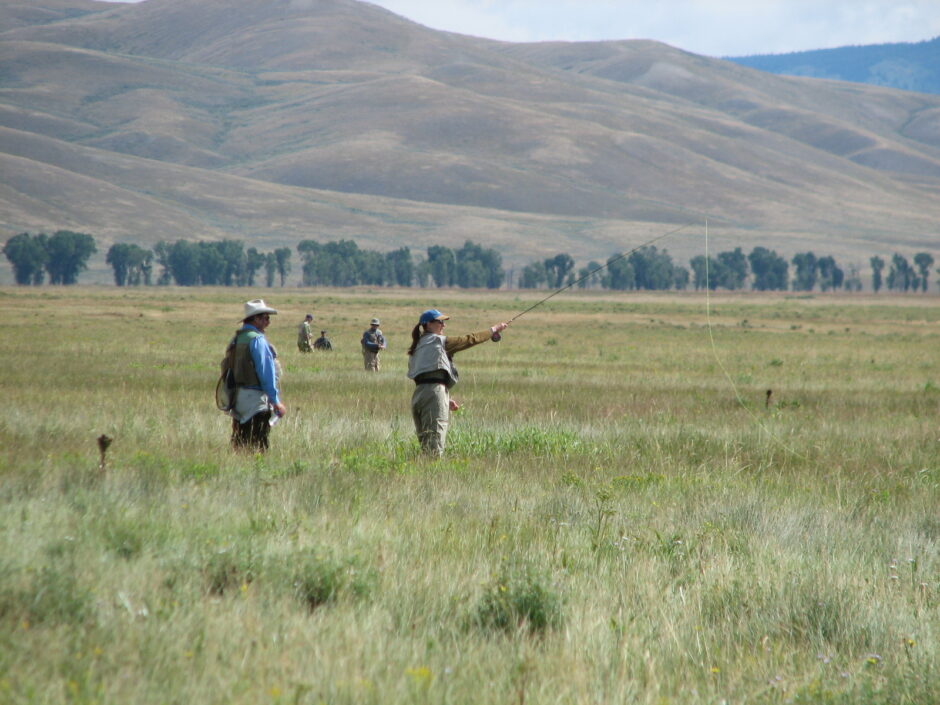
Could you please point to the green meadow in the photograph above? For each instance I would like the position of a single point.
(623, 515)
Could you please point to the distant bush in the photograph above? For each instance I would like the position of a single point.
(321, 579)
(518, 598)
(231, 568)
(53, 596)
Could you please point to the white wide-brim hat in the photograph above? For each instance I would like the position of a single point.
(256, 306)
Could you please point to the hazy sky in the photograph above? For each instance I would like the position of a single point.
(711, 27)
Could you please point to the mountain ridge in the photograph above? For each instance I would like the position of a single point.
(910, 66)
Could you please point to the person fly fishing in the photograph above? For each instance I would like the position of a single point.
(253, 361)
(431, 366)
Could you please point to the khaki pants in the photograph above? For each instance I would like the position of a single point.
(371, 360)
(430, 409)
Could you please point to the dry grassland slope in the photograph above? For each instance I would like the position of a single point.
(285, 119)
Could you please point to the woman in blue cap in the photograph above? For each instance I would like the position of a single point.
(431, 366)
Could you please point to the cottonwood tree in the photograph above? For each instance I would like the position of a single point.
(232, 253)
(680, 277)
(733, 269)
(699, 272)
(533, 276)
(923, 261)
(652, 268)
(806, 272)
(27, 255)
(830, 276)
(183, 262)
(712, 272)
(590, 276)
(68, 255)
(877, 264)
(853, 281)
(270, 269)
(254, 263)
(422, 272)
(282, 255)
(557, 268)
(130, 262)
(479, 266)
(620, 273)
(401, 266)
(212, 264)
(443, 265)
(161, 253)
(901, 275)
(770, 270)
(374, 268)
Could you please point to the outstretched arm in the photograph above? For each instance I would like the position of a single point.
(455, 344)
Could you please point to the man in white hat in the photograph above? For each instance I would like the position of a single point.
(373, 342)
(255, 366)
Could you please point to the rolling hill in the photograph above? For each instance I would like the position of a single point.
(282, 120)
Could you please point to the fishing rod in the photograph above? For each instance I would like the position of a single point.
(496, 336)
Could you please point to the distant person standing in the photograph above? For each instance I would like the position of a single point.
(322, 343)
(373, 342)
(303, 334)
(431, 366)
(257, 374)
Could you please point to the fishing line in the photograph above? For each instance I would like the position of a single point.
(596, 270)
(734, 387)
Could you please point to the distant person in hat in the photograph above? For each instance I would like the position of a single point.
(257, 373)
(322, 343)
(303, 335)
(431, 366)
(373, 342)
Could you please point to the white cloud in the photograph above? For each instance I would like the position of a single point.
(713, 27)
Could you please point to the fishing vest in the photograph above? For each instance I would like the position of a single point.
(372, 338)
(243, 366)
(430, 356)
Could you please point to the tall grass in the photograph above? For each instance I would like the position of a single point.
(615, 520)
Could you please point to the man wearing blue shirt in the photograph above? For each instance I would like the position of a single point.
(257, 372)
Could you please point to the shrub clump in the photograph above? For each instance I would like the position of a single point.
(54, 596)
(231, 568)
(322, 579)
(518, 598)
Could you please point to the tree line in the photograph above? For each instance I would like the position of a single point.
(762, 269)
(63, 255)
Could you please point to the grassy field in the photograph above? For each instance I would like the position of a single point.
(620, 518)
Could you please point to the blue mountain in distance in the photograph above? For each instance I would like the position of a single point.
(907, 66)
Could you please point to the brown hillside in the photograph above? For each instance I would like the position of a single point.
(284, 119)
(26, 13)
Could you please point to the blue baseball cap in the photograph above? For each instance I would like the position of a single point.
(432, 314)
